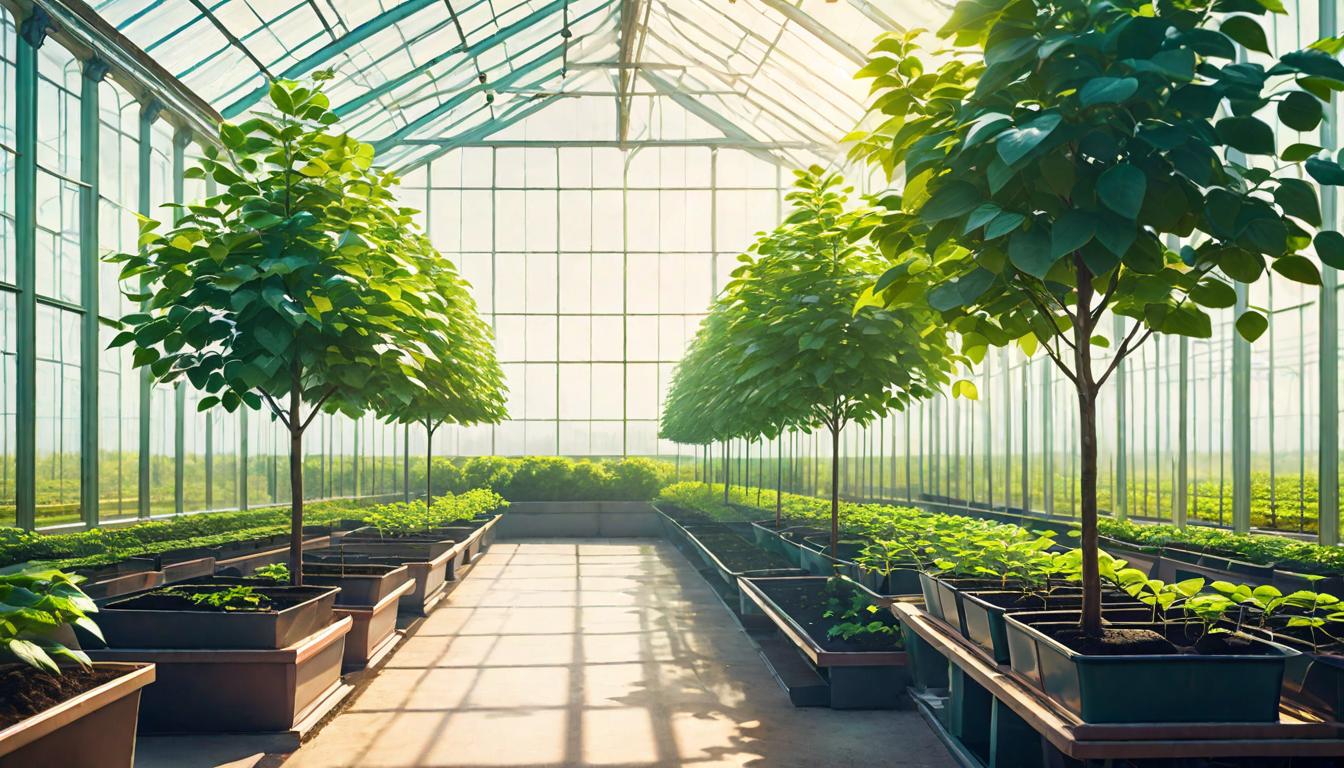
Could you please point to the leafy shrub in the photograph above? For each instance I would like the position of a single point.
(36, 603)
(553, 478)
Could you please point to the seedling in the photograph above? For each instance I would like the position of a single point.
(36, 602)
(233, 599)
(277, 572)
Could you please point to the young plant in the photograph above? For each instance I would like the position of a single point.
(36, 603)
(1056, 151)
(301, 286)
(232, 599)
(851, 614)
(277, 572)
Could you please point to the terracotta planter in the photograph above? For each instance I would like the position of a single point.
(228, 690)
(373, 632)
(125, 625)
(95, 729)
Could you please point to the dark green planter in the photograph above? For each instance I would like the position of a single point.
(1152, 688)
(928, 667)
(984, 625)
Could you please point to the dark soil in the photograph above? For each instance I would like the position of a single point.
(416, 536)
(1117, 642)
(25, 691)
(737, 553)
(806, 601)
(160, 600)
(1062, 598)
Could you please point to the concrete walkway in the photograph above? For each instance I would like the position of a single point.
(595, 653)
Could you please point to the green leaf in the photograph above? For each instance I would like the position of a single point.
(950, 201)
(1121, 188)
(1296, 153)
(1298, 269)
(1003, 224)
(1072, 231)
(1251, 325)
(1325, 171)
(1247, 31)
(1246, 134)
(1016, 143)
(1300, 111)
(1298, 198)
(1107, 90)
(1330, 248)
(1029, 251)
(1214, 293)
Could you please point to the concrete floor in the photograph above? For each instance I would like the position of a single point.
(595, 653)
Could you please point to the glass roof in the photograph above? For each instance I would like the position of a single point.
(419, 76)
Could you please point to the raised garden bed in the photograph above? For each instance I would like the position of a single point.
(373, 631)
(164, 619)
(88, 721)
(233, 690)
(429, 575)
(865, 671)
(983, 611)
(1230, 679)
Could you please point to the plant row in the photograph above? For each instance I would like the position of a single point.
(554, 478)
(106, 546)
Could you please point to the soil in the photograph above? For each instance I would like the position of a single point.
(806, 601)
(159, 600)
(418, 536)
(737, 553)
(25, 691)
(349, 569)
(1060, 599)
(1117, 642)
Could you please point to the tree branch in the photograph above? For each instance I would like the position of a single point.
(317, 408)
(1059, 362)
(1106, 297)
(275, 408)
(1123, 351)
(1040, 307)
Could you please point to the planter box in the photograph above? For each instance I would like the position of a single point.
(95, 729)
(724, 572)
(427, 548)
(373, 631)
(1151, 688)
(357, 589)
(984, 625)
(117, 586)
(815, 556)
(1179, 564)
(857, 679)
(225, 690)
(782, 540)
(126, 626)
(428, 575)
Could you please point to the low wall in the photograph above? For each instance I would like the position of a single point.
(579, 519)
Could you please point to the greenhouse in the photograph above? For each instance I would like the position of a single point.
(759, 383)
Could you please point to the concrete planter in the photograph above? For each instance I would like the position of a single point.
(133, 622)
(579, 519)
(225, 690)
(95, 729)
(373, 632)
(357, 589)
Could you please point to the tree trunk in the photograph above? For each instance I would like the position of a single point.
(779, 481)
(295, 483)
(835, 492)
(429, 465)
(1087, 448)
(726, 478)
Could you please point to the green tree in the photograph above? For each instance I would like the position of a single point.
(299, 287)
(1058, 153)
(461, 382)
(802, 343)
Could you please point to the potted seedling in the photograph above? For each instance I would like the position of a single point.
(60, 708)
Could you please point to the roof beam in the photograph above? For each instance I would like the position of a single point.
(462, 96)
(336, 47)
(818, 30)
(698, 108)
(721, 143)
(634, 22)
(496, 38)
(232, 38)
(510, 117)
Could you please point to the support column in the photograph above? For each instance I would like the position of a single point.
(148, 114)
(180, 141)
(242, 456)
(1328, 467)
(1241, 422)
(1120, 492)
(95, 69)
(1181, 485)
(32, 33)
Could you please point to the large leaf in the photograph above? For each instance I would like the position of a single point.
(1016, 143)
(1107, 90)
(1029, 251)
(1121, 188)
(1246, 134)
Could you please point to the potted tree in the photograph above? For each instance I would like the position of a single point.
(56, 706)
(1053, 162)
(301, 287)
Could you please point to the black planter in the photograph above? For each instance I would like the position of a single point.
(134, 622)
(983, 614)
(1158, 688)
